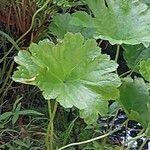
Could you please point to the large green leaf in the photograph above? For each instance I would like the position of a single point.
(145, 69)
(74, 72)
(134, 54)
(135, 99)
(119, 21)
(61, 25)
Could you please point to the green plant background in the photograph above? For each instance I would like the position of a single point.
(57, 80)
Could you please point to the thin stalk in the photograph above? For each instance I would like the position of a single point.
(125, 73)
(21, 37)
(51, 136)
(100, 42)
(49, 125)
(10, 39)
(50, 128)
(109, 129)
(134, 139)
(117, 53)
(94, 139)
(113, 121)
(33, 19)
(6, 90)
(141, 132)
(49, 108)
(123, 145)
(142, 146)
(7, 77)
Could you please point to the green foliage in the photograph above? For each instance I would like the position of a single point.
(6, 115)
(73, 72)
(119, 22)
(134, 54)
(14, 114)
(68, 3)
(61, 25)
(145, 69)
(135, 99)
(146, 2)
(98, 146)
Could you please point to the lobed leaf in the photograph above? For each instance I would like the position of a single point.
(145, 69)
(118, 21)
(134, 54)
(61, 25)
(74, 72)
(135, 99)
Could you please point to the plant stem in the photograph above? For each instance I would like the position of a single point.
(51, 136)
(49, 125)
(50, 128)
(125, 73)
(6, 81)
(21, 37)
(94, 139)
(100, 42)
(142, 146)
(117, 53)
(134, 139)
(11, 40)
(33, 19)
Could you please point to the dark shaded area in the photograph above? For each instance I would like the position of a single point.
(131, 130)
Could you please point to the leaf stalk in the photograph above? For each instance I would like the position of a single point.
(94, 139)
(50, 128)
